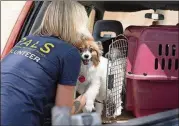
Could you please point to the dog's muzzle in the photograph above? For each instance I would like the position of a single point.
(86, 59)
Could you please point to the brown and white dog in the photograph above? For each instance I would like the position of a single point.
(92, 78)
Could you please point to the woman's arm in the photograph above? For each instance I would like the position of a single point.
(65, 97)
(70, 69)
(64, 106)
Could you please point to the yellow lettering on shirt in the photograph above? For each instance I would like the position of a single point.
(33, 46)
(26, 43)
(47, 47)
(23, 39)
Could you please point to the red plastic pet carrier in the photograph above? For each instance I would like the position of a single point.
(152, 69)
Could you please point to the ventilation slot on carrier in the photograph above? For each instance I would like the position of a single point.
(160, 50)
(166, 49)
(173, 50)
(163, 64)
(169, 64)
(156, 63)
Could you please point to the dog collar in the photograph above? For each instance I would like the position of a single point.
(81, 78)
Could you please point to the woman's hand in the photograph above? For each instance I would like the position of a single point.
(65, 97)
(78, 104)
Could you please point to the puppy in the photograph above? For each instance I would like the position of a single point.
(92, 78)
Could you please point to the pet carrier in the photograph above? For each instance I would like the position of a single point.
(152, 69)
(116, 55)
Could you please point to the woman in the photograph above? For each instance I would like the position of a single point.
(44, 67)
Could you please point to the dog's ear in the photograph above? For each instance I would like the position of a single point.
(100, 46)
(79, 44)
(95, 58)
(95, 54)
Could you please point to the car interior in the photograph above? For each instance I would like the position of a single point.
(155, 38)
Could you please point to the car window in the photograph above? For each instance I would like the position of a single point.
(171, 17)
(91, 20)
(138, 17)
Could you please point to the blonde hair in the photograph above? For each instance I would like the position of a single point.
(67, 20)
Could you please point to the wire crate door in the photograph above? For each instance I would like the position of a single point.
(115, 77)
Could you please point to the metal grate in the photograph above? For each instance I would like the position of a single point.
(115, 76)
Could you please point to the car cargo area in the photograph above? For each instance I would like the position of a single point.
(151, 81)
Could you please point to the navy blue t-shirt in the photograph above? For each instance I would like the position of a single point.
(31, 72)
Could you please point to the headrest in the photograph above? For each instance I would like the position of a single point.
(108, 42)
(106, 25)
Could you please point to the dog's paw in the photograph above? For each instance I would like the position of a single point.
(99, 108)
(89, 107)
(118, 111)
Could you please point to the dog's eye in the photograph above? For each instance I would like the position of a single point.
(81, 50)
(91, 50)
